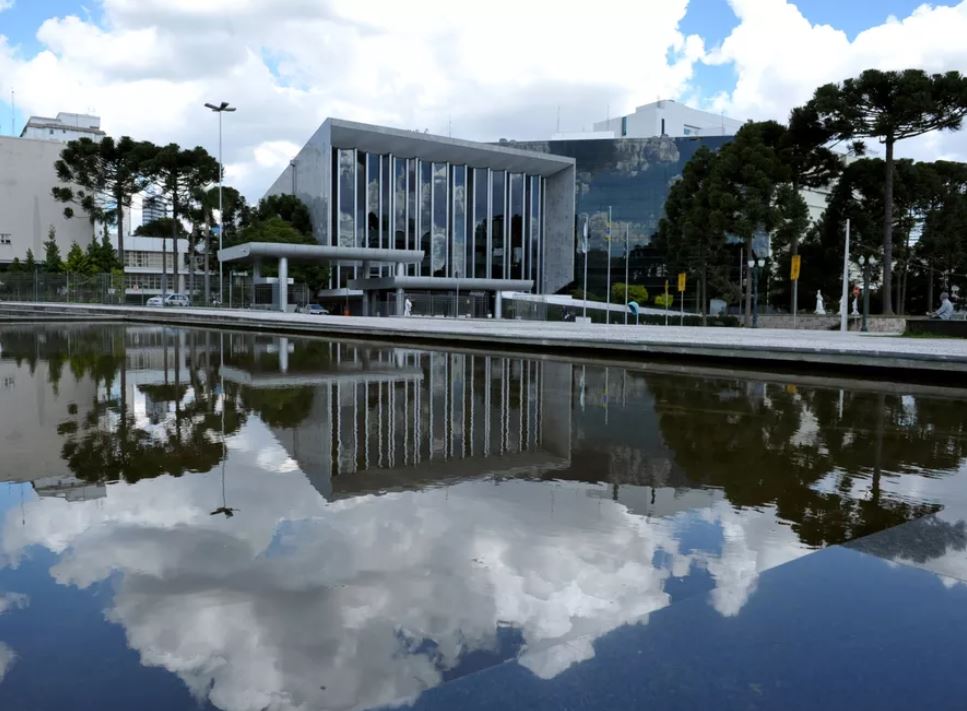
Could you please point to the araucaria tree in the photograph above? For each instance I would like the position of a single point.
(890, 106)
(181, 173)
(100, 178)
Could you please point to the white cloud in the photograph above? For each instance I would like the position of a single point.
(7, 658)
(780, 57)
(13, 601)
(6, 4)
(491, 69)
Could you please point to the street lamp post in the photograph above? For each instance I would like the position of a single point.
(867, 263)
(220, 109)
(754, 268)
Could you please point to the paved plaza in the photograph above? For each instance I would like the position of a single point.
(789, 347)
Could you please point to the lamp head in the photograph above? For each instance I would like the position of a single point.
(762, 263)
(751, 263)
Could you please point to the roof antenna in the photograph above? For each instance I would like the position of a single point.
(558, 118)
(13, 110)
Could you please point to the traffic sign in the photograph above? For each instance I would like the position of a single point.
(681, 281)
(796, 263)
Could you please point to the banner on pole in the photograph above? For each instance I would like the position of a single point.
(583, 247)
(681, 282)
(794, 269)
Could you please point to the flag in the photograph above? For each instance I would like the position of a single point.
(583, 248)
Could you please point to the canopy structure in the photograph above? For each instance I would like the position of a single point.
(348, 256)
(320, 253)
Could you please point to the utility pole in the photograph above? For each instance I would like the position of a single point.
(607, 314)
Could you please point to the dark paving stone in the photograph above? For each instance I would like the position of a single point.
(838, 629)
(937, 543)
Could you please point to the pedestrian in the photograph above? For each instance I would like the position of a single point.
(946, 310)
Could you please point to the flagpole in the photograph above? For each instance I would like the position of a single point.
(845, 297)
(626, 274)
(607, 316)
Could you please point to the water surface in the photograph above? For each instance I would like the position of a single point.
(201, 519)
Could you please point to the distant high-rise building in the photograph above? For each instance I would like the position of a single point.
(669, 118)
(153, 208)
(64, 127)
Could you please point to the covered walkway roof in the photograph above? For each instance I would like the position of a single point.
(320, 253)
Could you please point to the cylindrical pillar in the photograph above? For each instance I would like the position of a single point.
(283, 283)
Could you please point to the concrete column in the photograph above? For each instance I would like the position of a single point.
(283, 283)
(498, 304)
(256, 274)
(366, 293)
(400, 296)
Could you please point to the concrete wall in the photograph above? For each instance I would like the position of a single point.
(27, 208)
(876, 324)
(559, 206)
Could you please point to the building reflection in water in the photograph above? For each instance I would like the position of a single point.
(358, 420)
(405, 517)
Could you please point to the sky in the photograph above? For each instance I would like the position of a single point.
(484, 71)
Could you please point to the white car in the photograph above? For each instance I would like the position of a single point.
(169, 300)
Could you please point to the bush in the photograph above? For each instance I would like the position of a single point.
(663, 300)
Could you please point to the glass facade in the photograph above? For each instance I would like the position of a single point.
(632, 176)
(469, 221)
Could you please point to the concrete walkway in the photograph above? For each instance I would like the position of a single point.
(781, 347)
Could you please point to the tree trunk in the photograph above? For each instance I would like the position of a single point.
(888, 231)
(748, 283)
(705, 293)
(164, 266)
(191, 265)
(794, 286)
(174, 234)
(929, 288)
(120, 210)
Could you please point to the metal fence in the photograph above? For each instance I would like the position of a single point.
(236, 291)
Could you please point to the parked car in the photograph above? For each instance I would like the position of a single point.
(169, 300)
(312, 310)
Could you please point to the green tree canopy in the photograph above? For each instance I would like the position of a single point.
(52, 261)
(161, 227)
(101, 177)
(77, 261)
(889, 106)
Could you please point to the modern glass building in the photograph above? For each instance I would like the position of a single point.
(486, 217)
(630, 177)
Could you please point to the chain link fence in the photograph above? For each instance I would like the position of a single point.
(136, 289)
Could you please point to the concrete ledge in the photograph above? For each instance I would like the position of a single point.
(787, 349)
(936, 327)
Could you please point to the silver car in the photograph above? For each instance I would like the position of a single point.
(169, 300)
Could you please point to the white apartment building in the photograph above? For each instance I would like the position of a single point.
(63, 128)
(669, 118)
(27, 208)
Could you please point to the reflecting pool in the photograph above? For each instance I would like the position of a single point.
(203, 519)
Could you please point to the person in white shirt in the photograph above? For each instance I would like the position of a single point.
(946, 310)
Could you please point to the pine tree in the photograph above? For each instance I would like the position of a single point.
(52, 260)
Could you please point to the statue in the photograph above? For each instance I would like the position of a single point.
(407, 307)
(820, 307)
(856, 306)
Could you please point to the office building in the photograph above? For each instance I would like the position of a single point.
(669, 118)
(621, 188)
(153, 207)
(63, 128)
(486, 217)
